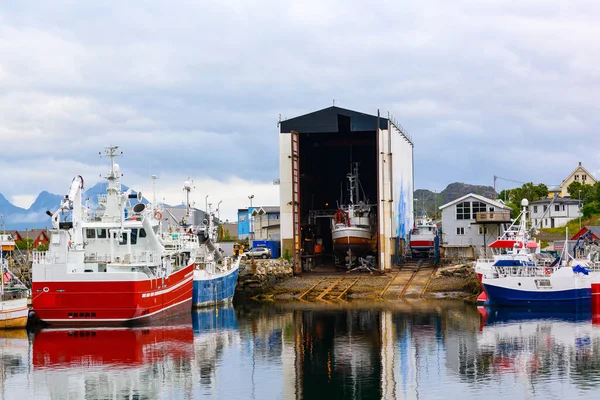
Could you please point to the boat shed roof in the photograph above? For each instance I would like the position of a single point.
(332, 119)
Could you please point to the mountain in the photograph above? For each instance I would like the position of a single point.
(45, 201)
(7, 208)
(429, 201)
(35, 217)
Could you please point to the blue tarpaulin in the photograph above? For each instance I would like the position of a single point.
(579, 268)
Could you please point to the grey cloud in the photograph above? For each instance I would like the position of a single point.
(197, 87)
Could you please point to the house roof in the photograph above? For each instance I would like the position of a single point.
(557, 200)
(580, 166)
(591, 228)
(31, 234)
(478, 197)
(266, 210)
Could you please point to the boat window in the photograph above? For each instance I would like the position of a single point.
(134, 235)
(142, 233)
(101, 233)
(123, 240)
(90, 233)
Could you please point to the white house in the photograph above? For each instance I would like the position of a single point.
(562, 210)
(266, 223)
(473, 220)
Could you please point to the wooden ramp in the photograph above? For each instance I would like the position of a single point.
(410, 281)
(328, 289)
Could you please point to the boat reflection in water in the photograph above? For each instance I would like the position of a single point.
(538, 346)
(14, 360)
(113, 362)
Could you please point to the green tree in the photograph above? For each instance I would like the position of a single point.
(25, 244)
(42, 247)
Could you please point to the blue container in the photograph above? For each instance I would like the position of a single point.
(272, 245)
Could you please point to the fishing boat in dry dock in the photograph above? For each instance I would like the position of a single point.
(422, 237)
(109, 267)
(14, 310)
(353, 225)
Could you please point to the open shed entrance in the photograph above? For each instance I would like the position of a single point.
(324, 163)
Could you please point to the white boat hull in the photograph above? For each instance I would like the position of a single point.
(13, 313)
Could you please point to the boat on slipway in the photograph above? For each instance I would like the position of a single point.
(215, 275)
(517, 277)
(353, 225)
(14, 309)
(109, 267)
(422, 237)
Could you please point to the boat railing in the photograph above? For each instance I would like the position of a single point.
(13, 294)
(141, 257)
(47, 257)
(524, 271)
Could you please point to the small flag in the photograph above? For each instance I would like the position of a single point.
(6, 277)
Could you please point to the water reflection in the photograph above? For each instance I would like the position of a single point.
(420, 350)
(112, 363)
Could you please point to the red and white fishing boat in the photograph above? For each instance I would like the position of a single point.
(353, 225)
(422, 237)
(109, 267)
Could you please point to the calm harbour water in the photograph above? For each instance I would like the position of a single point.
(420, 350)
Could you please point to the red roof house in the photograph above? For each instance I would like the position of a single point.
(594, 230)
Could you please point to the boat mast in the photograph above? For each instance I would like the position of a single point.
(356, 185)
(113, 187)
(187, 187)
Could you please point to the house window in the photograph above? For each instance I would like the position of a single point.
(463, 210)
(483, 230)
(546, 222)
(535, 209)
(583, 177)
(460, 230)
(545, 208)
(576, 177)
(478, 206)
(557, 207)
(242, 218)
(563, 207)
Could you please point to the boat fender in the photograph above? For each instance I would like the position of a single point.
(158, 215)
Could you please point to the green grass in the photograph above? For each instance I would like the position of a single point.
(573, 225)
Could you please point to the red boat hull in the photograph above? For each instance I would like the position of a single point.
(127, 348)
(421, 244)
(108, 303)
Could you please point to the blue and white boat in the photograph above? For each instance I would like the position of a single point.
(516, 279)
(215, 275)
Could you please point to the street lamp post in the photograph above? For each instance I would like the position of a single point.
(219, 210)
(580, 209)
(251, 197)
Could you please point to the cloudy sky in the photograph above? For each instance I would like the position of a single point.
(195, 88)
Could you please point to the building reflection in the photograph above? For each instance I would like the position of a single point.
(402, 351)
